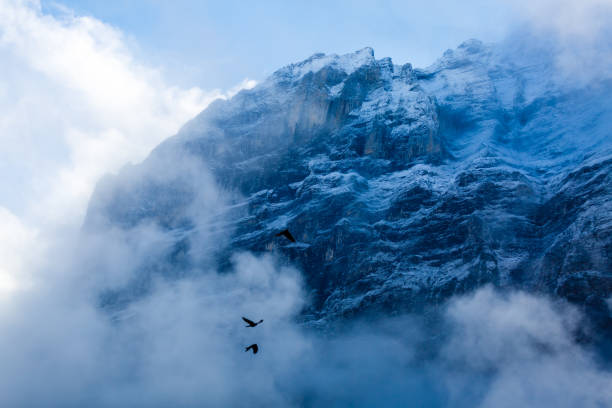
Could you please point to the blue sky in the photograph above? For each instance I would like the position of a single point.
(218, 44)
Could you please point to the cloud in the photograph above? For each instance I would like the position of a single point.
(523, 348)
(183, 345)
(76, 104)
(585, 19)
(15, 239)
(579, 34)
(183, 342)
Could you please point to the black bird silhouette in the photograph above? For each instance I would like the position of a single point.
(251, 323)
(286, 234)
(252, 347)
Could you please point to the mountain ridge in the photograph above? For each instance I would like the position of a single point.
(406, 185)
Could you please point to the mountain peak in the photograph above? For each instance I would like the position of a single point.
(404, 186)
(348, 63)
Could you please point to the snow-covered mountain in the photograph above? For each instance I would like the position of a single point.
(403, 186)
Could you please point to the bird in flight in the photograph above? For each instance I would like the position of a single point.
(252, 347)
(286, 234)
(251, 323)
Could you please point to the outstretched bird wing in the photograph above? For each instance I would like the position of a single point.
(250, 322)
(286, 234)
(252, 347)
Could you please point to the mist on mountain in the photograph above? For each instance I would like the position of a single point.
(453, 225)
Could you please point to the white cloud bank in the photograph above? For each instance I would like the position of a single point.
(579, 30)
(524, 347)
(75, 104)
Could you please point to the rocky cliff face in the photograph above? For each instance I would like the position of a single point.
(403, 186)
